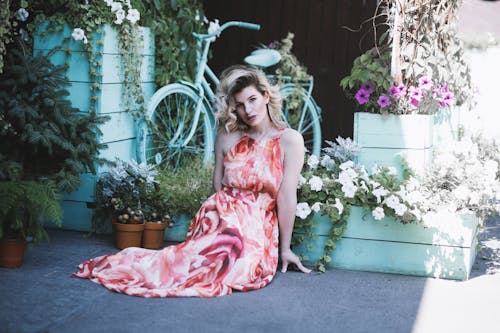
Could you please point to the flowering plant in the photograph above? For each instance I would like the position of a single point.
(464, 179)
(424, 98)
(129, 193)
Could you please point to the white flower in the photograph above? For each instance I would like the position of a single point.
(303, 210)
(313, 161)
(392, 201)
(474, 198)
(363, 174)
(327, 162)
(197, 16)
(349, 190)
(414, 196)
(302, 181)
(120, 16)
(22, 14)
(344, 178)
(109, 2)
(392, 170)
(400, 209)
(380, 192)
(376, 169)
(339, 206)
(316, 183)
(79, 34)
(133, 15)
(347, 165)
(378, 213)
(212, 27)
(461, 192)
(116, 6)
(316, 207)
(362, 184)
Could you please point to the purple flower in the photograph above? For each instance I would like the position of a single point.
(414, 102)
(383, 101)
(446, 100)
(397, 91)
(362, 96)
(425, 83)
(416, 93)
(367, 86)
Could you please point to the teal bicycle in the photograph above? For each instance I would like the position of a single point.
(181, 123)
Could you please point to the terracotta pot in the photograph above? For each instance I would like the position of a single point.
(127, 235)
(153, 235)
(12, 252)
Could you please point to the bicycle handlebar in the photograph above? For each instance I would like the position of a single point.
(244, 25)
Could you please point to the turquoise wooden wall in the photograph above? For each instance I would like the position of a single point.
(119, 133)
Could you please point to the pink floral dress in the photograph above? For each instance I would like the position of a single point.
(232, 242)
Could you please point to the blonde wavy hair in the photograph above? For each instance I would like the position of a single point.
(233, 80)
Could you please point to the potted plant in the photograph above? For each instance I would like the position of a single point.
(406, 85)
(184, 190)
(24, 207)
(128, 195)
(350, 218)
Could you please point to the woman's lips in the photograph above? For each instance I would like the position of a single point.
(251, 118)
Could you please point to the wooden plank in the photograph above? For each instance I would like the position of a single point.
(400, 258)
(446, 248)
(109, 98)
(76, 216)
(418, 159)
(393, 131)
(442, 229)
(124, 150)
(86, 192)
(121, 126)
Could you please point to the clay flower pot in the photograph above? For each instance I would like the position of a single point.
(127, 234)
(12, 252)
(153, 235)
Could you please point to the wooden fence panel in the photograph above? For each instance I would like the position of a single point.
(320, 43)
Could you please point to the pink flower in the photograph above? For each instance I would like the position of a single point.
(425, 83)
(383, 101)
(416, 93)
(362, 96)
(397, 91)
(447, 99)
(414, 102)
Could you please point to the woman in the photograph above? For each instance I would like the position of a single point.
(232, 243)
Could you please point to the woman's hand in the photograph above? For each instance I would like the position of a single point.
(288, 257)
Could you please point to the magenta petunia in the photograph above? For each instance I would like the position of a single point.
(367, 86)
(414, 102)
(397, 91)
(362, 96)
(383, 101)
(446, 100)
(415, 93)
(425, 83)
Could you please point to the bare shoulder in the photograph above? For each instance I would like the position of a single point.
(226, 140)
(291, 137)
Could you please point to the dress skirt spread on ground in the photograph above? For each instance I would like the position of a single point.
(232, 242)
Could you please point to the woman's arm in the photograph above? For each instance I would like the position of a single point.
(219, 161)
(292, 145)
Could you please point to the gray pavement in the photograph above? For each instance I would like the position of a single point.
(42, 297)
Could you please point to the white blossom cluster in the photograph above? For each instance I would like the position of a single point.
(463, 178)
(122, 10)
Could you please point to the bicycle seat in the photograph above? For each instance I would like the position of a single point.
(263, 58)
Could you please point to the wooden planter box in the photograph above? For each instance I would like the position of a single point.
(447, 124)
(119, 133)
(392, 247)
(384, 137)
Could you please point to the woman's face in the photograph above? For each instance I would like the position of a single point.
(250, 105)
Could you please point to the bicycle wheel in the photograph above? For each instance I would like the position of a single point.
(179, 128)
(303, 115)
